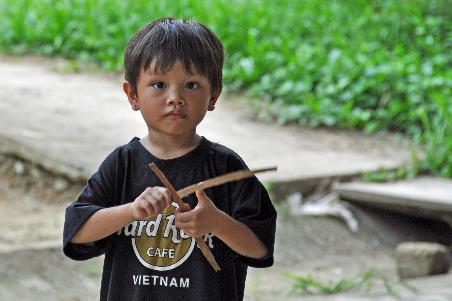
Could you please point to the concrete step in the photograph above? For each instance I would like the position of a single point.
(427, 197)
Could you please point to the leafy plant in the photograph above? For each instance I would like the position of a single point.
(370, 65)
(437, 137)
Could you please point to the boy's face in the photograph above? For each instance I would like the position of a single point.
(172, 103)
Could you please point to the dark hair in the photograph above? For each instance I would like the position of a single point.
(166, 40)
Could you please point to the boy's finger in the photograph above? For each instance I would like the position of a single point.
(184, 217)
(150, 205)
(148, 209)
(186, 226)
(156, 194)
(157, 207)
(163, 196)
(201, 195)
(168, 198)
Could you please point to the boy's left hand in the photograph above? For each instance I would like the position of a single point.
(201, 219)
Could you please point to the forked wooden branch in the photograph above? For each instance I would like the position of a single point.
(229, 177)
(178, 195)
(185, 207)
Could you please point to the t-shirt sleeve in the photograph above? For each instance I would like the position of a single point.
(98, 193)
(252, 206)
(255, 210)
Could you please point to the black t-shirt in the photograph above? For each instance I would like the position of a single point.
(153, 260)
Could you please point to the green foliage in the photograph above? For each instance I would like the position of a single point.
(437, 137)
(371, 65)
(416, 167)
(384, 175)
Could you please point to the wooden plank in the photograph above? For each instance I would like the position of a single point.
(423, 196)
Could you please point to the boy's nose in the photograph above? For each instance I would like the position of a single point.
(176, 101)
(175, 98)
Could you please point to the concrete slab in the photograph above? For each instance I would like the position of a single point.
(70, 122)
(422, 196)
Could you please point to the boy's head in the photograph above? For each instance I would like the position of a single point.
(166, 40)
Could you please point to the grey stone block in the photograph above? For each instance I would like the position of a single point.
(419, 259)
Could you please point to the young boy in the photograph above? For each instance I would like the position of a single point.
(173, 72)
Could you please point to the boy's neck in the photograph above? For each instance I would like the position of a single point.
(165, 147)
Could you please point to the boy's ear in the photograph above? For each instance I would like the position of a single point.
(131, 95)
(213, 99)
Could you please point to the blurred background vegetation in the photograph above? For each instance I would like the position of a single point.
(375, 65)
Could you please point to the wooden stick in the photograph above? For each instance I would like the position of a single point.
(229, 177)
(185, 207)
(178, 195)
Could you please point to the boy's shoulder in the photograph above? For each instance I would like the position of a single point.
(224, 154)
(122, 151)
(133, 145)
(223, 150)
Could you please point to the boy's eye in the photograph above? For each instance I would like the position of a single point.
(159, 85)
(192, 85)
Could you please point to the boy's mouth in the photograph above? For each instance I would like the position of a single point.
(175, 114)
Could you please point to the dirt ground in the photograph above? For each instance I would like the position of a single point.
(32, 203)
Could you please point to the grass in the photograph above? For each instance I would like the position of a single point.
(406, 171)
(309, 285)
(370, 65)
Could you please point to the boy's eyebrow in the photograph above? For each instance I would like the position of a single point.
(192, 76)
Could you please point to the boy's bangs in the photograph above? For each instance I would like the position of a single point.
(178, 44)
(164, 61)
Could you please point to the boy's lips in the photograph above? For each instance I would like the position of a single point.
(176, 114)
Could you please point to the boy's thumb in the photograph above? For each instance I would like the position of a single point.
(202, 196)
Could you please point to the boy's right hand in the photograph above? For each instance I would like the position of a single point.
(151, 202)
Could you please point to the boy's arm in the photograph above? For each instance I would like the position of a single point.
(103, 223)
(207, 218)
(107, 221)
(239, 237)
